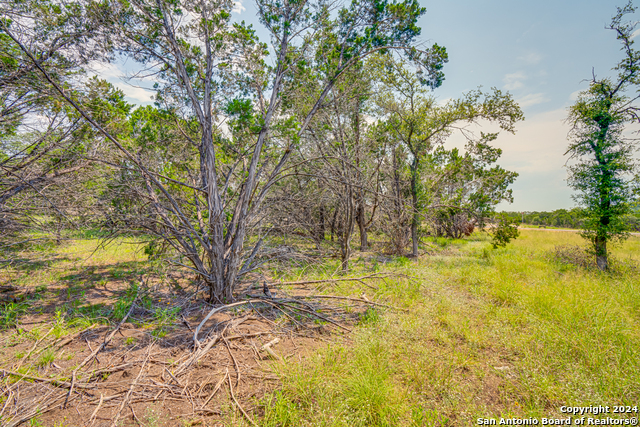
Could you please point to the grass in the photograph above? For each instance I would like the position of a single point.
(513, 332)
(489, 333)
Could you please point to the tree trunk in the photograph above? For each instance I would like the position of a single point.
(345, 252)
(362, 226)
(416, 215)
(321, 225)
(414, 239)
(333, 223)
(601, 253)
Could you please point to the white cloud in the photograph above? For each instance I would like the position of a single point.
(532, 99)
(536, 153)
(107, 71)
(531, 58)
(114, 74)
(514, 81)
(635, 34)
(238, 7)
(138, 95)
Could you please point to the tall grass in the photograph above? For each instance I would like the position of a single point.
(489, 333)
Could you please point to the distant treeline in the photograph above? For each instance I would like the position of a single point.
(564, 218)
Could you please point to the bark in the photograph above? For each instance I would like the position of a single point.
(333, 222)
(362, 226)
(601, 253)
(416, 214)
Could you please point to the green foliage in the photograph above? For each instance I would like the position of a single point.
(123, 304)
(9, 313)
(604, 169)
(505, 230)
(47, 357)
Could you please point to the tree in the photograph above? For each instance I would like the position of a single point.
(416, 121)
(465, 187)
(603, 172)
(43, 143)
(210, 71)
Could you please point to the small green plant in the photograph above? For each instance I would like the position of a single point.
(35, 422)
(123, 304)
(9, 313)
(370, 316)
(165, 318)
(505, 230)
(151, 417)
(130, 340)
(47, 357)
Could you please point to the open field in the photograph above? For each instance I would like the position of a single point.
(477, 333)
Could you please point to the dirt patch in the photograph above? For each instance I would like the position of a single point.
(150, 372)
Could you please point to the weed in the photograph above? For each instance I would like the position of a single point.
(9, 313)
(481, 339)
(370, 316)
(123, 304)
(151, 417)
(47, 357)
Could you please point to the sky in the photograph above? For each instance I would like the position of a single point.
(542, 52)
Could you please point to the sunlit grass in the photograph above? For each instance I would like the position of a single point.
(490, 333)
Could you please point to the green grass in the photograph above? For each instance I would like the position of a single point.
(489, 333)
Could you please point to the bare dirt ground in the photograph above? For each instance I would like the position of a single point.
(147, 370)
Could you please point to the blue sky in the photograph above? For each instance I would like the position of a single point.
(541, 51)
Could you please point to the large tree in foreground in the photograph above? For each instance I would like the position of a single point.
(604, 164)
(208, 70)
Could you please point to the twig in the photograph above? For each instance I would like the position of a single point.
(174, 378)
(114, 423)
(267, 348)
(96, 351)
(34, 347)
(135, 416)
(238, 404)
(215, 390)
(235, 362)
(92, 419)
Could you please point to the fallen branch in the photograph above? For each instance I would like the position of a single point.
(313, 313)
(214, 311)
(52, 381)
(114, 423)
(238, 404)
(215, 390)
(95, 352)
(92, 419)
(267, 348)
(345, 279)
